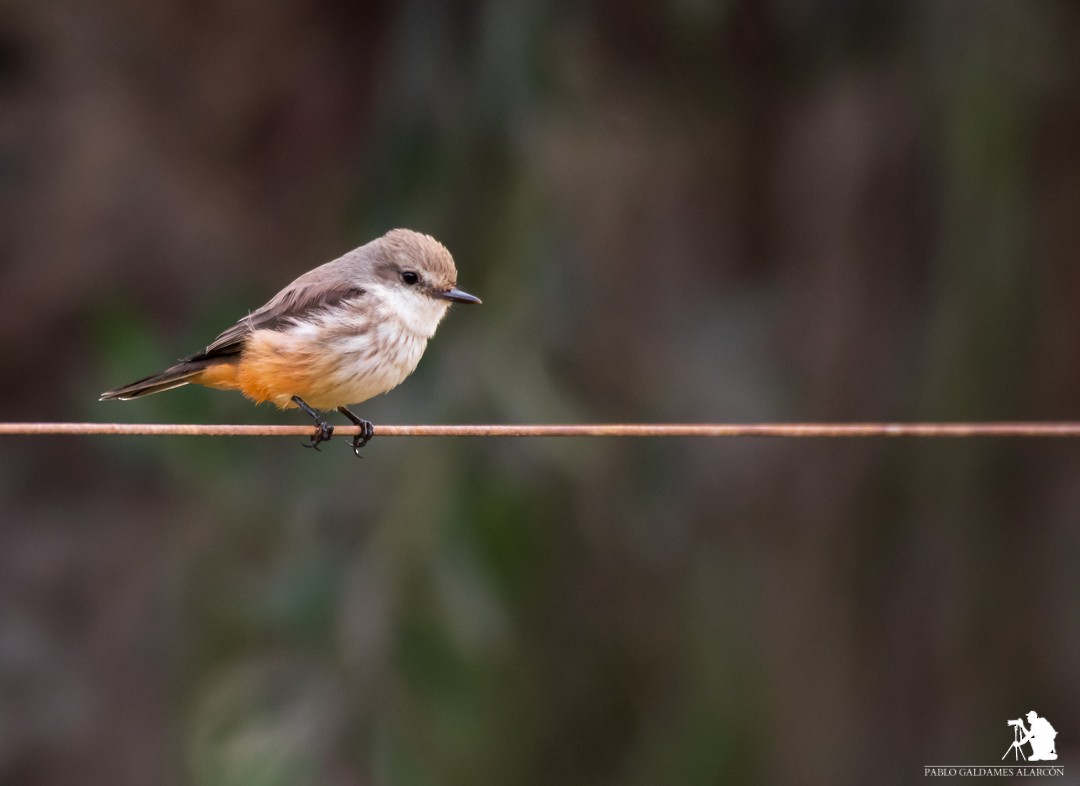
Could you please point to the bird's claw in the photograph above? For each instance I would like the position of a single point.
(323, 432)
(367, 431)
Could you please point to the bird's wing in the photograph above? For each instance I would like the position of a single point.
(292, 303)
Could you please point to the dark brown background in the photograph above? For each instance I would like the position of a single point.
(699, 210)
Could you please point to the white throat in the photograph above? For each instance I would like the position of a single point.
(418, 313)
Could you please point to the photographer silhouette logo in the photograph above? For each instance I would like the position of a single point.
(1039, 734)
(1033, 743)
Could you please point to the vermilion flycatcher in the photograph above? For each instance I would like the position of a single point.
(340, 334)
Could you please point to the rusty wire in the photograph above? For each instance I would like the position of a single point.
(826, 430)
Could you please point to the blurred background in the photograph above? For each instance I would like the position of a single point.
(698, 210)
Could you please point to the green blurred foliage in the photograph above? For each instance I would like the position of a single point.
(725, 210)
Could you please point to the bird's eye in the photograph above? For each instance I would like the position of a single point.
(410, 277)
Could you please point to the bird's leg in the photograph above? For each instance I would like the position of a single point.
(323, 430)
(367, 431)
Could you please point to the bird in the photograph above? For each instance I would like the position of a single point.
(338, 335)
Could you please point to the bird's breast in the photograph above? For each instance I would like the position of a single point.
(379, 357)
(339, 359)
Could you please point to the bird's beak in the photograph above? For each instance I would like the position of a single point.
(458, 296)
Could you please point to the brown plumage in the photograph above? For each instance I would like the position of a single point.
(339, 334)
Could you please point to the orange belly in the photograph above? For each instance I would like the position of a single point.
(261, 379)
(275, 366)
(221, 376)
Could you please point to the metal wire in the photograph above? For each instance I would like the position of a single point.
(820, 430)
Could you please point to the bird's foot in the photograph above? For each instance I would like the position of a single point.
(323, 430)
(367, 431)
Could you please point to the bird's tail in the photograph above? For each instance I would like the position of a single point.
(182, 373)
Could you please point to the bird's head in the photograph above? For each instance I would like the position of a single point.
(415, 277)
